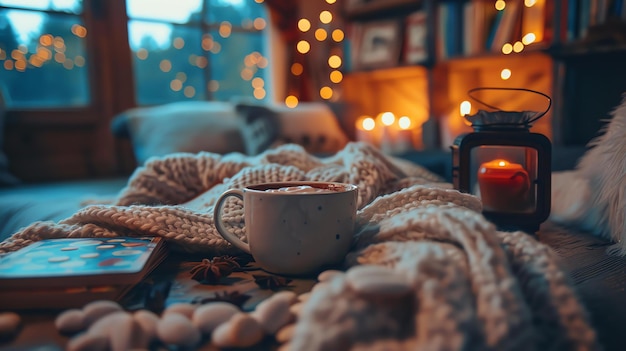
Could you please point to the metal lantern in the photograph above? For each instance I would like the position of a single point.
(506, 165)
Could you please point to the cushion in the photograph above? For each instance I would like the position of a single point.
(313, 125)
(189, 126)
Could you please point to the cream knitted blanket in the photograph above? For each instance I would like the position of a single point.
(473, 287)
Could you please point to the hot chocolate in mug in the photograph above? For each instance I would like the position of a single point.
(294, 228)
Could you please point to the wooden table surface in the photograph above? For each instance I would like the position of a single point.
(599, 280)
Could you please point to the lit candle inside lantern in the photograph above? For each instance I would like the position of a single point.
(504, 186)
(465, 108)
(366, 130)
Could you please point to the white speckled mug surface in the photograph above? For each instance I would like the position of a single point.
(294, 228)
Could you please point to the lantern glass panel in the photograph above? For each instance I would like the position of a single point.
(504, 177)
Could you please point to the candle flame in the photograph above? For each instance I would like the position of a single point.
(404, 122)
(466, 108)
(368, 123)
(501, 163)
(387, 118)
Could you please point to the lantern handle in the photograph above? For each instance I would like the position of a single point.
(540, 114)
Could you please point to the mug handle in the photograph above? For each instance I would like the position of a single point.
(219, 223)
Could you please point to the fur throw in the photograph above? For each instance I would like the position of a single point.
(593, 196)
(465, 285)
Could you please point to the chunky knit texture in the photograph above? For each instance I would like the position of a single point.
(473, 287)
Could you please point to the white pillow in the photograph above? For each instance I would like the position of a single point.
(190, 126)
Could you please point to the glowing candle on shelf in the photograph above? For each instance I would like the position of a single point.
(366, 130)
(504, 186)
(404, 135)
(387, 119)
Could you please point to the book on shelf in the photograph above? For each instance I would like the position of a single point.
(71, 271)
(506, 30)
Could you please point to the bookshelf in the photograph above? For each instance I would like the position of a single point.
(575, 55)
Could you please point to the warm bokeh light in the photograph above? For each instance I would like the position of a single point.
(331, 1)
(225, 29)
(507, 48)
(259, 23)
(326, 93)
(217, 47)
(182, 76)
(326, 17)
(321, 34)
(68, 64)
(178, 43)
(336, 76)
(259, 94)
(79, 30)
(304, 25)
(45, 40)
(297, 69)
(518, 46)
(505, 74)
(529, 38)
(500, 5)
(79, 61)
(207, 42)
(213, 86)
(189, 91)
(59, 57)
(263, 62)
(334, 61)
(387, 118)
(176, 85)
(8, 65)
(165, 65)
(404, 122)
(202, 62)
(530, 3)
(20, 65)
(338, 35)
(368, 123)
(303, 46)
(465, 108)
(142, 54)
(258, 82)
(291, 101)
(246, 74)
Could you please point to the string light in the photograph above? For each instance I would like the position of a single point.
(505, 74)
(507, 48)
(303, 46)
(304, 25)
(291, 101)
(326, 93)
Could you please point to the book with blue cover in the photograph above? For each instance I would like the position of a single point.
(76, 262)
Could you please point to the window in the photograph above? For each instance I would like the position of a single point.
(43, 60)
(181, 50)
(197, 49)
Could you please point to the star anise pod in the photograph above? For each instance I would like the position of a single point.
(271, 282)
(235, 297)
(210, 271)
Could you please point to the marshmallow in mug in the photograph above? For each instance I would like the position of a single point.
(301, 189)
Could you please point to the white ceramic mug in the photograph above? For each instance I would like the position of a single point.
(294, 228)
